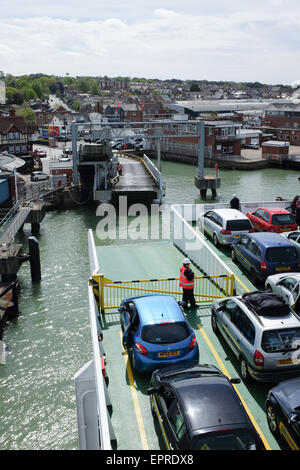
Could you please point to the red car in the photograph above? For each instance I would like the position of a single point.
(272, 220)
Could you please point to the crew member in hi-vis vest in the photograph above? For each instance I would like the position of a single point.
(186, 281)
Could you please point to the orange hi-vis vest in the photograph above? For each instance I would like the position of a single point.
(183, 281)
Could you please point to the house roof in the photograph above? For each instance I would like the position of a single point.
(7, 122)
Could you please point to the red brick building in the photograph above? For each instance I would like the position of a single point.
(283, 121)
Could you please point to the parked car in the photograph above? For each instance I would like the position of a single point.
(39, 176)
(39, 153)
(156, 333)
(225, 225)
(293, 237)
(197, 408)
(283, 412)
(263, 333)
(286, 285)
(68, 150)
(263, 254)
(272, 220)
(65, 158)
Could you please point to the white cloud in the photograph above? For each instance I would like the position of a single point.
(213, 40)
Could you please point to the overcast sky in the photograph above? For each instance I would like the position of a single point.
(233, 40)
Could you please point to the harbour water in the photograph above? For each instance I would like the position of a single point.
(50, 341)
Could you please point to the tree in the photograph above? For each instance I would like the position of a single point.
(194, 87)
(27, 113)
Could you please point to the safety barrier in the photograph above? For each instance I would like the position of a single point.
(109, 294)
(194, 246)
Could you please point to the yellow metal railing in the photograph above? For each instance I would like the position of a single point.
(109, 294)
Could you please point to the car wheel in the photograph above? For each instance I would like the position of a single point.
(214, 323)
(233, 257)
(272, 420)
(215, 240)
(132, 358)
(244, 370)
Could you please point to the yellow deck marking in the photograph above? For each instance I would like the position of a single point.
(242, 284)
(135, 400)
(225, 372)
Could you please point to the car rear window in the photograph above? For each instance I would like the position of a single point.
(281, 253)
(164, 333)
(238, 225)
(281, 219)
(239, 439)
(281, 340)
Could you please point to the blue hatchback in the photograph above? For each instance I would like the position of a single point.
(265, 253)
(156, 333)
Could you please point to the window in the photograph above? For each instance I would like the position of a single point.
(279, 219)
(281, 253)
(165, 333)
(244, 325)
(244, 241)
(289, 283)
(176, 421)
(238, 225)
(253, 248)
(259, 213)
(280, 340)
(229, 309)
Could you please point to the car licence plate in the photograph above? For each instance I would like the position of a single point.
(284, 362)
(168, 354)
(283, 268)
(285, 229)
(236, 236)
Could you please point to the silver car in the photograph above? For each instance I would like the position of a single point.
(293, 237)
(287, 285)
(224, 225)
(266, 345)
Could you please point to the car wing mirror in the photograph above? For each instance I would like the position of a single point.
(153, 390)
(235, 380)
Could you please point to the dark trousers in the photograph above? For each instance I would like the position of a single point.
(188, 297)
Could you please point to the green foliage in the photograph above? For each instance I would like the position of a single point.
(27, 113)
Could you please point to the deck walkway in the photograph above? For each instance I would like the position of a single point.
(131, 415)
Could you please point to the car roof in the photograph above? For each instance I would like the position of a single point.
(269, 239)
(288, 393)
(274, 210)
(288, 320)
(154, 309)
(209, 402)
(229, 214)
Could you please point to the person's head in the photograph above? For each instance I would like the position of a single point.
(186, 262)
(234, 196)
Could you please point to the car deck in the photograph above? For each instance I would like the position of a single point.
(131, 414)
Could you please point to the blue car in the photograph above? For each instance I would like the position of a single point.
(156, 333)
(265, 253)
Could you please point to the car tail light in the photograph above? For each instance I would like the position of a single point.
(251, 230)
(258, 358)
(225, 232)
(140, 349)
(263, 266)
(192, 344)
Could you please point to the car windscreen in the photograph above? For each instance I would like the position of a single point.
(238, 225)
(281, 340)
(235, 439)
(281, 253)
(280, 219)
(164, 333)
